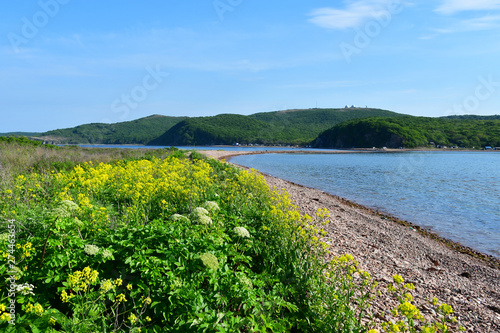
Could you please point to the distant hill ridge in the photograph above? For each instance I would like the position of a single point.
(323, 128)
(295, 127)
(278, 127)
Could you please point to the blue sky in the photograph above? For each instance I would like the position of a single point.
(69, 62)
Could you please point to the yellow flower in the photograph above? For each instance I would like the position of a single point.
(106, 285)
(121, 298)
(52, 321)
(409, 310)
(445, 309)
(118, 282)
(398, 279)
(36, 309)
(5, 316)
(132, 318)
(129, 287)
(64, 296)
(409, 286)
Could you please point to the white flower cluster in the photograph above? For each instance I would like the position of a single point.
(200, 215)
(199, 211)
(179, 218)
(65, 209)
(91, 250)
(25, 289)
(245, 281)
(211, 206)
(209, 260)
(241, 232)
(4, 237)
(106, 253)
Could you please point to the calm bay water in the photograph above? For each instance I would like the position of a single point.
(228, 148)
(455, 194)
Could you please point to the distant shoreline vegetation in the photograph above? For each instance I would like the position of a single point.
(319, 128)
(413, 132)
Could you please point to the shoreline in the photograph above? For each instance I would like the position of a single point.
(385, 245)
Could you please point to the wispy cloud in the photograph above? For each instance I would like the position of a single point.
(354, 14)
(488, 22)
(325, 85)
(449, 7)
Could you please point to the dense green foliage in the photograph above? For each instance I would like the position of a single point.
(138, 131)
(476, 117)
(292, 127)
(23, 141)
(411, 132)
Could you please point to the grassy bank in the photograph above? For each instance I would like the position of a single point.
(98, 240)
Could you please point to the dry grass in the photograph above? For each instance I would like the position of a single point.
(16, 159)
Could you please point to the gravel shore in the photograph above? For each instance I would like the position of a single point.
(456, 275)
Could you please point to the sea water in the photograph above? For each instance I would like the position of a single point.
(455, 194)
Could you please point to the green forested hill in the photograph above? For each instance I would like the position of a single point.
(138, 131)
(216, 130)
(411, 132)
(279, 127)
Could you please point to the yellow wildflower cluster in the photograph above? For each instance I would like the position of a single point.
(80, 280)
(132, 318)
(120, 298)
(36, 309)
(3, 314)
(142, 187)
(65, 297)
(323, 215)
(106, 286)
(410, 314)
(27, 249)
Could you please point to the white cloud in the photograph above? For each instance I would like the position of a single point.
(449, 7)
(488, 22)
(355, 13)
(482, 23)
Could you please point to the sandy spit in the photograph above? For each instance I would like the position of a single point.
(384, 245)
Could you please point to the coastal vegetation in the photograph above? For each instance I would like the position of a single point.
(100, 240)
(412, 132)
